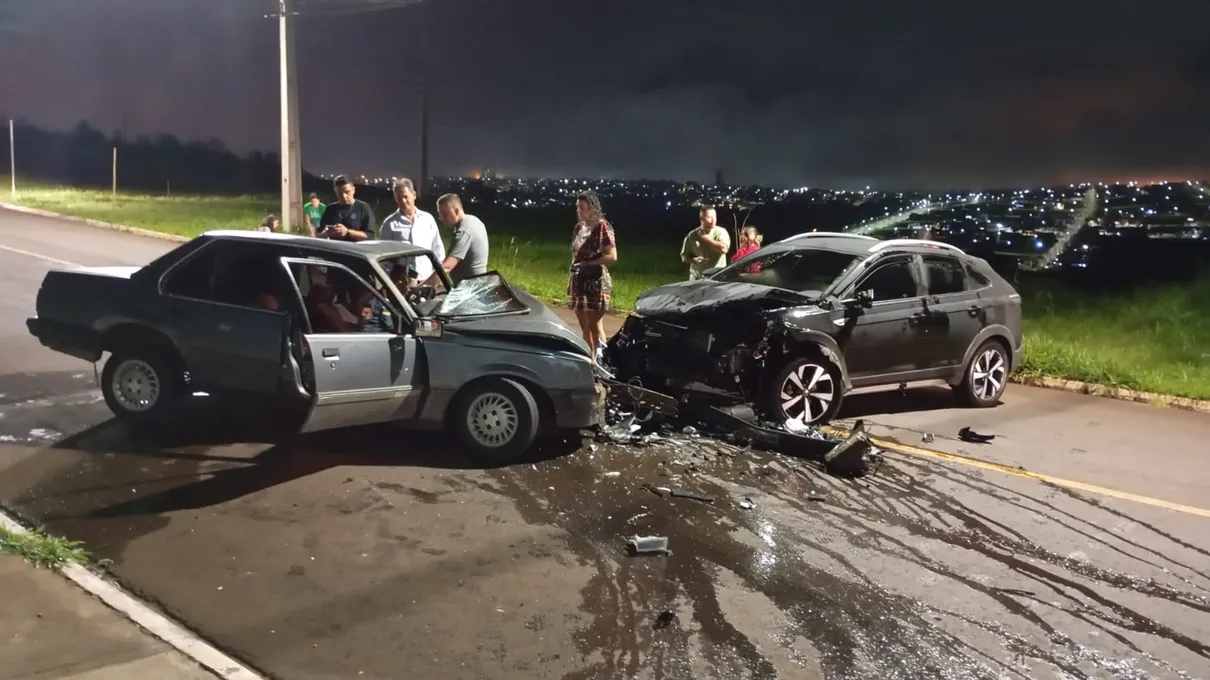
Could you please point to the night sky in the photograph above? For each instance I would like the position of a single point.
(926, 94)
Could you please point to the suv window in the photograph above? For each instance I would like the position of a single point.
(194, 277)
(944, 275)
(891, 281)
(977, 276)
(797, 269)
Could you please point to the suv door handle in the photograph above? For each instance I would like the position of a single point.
(973, 310)
(331, 353)
(916, 319)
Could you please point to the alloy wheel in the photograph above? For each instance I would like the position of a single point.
(988, 373)
(807, 393)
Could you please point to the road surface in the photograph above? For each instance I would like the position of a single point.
(384, 554)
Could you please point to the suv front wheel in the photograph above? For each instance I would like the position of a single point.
(807, 390)
(986, 376)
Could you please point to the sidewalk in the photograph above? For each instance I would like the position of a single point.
(50, 629)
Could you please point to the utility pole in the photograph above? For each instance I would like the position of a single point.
(424, 138)
(12, 158)
(291, 158)
(114, 172)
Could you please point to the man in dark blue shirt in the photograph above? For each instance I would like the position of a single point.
(347, 218)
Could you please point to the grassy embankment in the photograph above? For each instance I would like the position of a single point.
(1154, 340)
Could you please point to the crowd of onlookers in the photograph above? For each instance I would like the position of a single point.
(593, 243)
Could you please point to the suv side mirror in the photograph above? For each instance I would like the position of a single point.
(429, 328)
(862, 298)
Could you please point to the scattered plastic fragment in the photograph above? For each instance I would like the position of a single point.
(746, 503)
(648, 545)
(927, 438)
(677, 493)
(612, 473)
(795, 426)
(971, 437)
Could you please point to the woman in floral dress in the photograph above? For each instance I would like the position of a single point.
(588, 284)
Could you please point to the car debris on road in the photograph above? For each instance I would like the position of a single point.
(635, 415)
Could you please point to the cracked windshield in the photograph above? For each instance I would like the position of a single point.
(484, 294)
(639, 340)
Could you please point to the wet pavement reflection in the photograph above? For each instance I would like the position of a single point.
(774, 570)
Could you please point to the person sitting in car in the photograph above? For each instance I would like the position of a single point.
(326, 315)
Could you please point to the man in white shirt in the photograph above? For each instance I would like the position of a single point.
(415, 226)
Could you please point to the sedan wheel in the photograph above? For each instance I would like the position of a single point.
(986, 376)
(143, 388)
(496, 419)
(807, 391)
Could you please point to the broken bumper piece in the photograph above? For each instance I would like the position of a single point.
(853, 456)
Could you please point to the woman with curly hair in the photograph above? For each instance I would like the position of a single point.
(588, 285)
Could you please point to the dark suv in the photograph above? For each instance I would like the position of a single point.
(800, 323)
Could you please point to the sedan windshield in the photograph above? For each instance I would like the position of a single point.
(479, 295)
(802, 270)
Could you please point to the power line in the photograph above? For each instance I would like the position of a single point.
(343, 7)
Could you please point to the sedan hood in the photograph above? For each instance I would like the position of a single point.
(537, 321)
(688, 297)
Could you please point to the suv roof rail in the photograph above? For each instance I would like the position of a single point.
(896, 242)
(833, 234)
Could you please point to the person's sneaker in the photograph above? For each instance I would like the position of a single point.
(601, 353)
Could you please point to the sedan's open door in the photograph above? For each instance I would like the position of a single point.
(364, 365)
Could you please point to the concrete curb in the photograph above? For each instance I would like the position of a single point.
(1120, 393)
(1075, 386)
(144, 616)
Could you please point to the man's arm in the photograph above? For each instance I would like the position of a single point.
(686, 249)
(437, 245)
(458, 250)
(718, 246)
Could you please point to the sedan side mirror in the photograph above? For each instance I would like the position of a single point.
(429, 328)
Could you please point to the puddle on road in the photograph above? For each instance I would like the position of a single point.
(885, 576)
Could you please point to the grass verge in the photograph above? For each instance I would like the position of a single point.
(1155, 340)
(43, 550)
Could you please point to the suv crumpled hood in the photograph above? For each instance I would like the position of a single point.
(539, 321)
(691, 297)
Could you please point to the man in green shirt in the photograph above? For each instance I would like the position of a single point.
(706, 246)
(313, 211)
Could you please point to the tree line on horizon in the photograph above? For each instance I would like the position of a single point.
(83, 157)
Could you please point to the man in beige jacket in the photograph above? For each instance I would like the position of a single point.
(706, 246)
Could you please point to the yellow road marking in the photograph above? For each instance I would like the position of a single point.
(1036, 476)
(40, 256)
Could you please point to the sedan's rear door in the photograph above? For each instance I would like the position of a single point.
(360, 377)
(226, 346)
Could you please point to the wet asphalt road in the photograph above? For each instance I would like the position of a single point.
(383, 554)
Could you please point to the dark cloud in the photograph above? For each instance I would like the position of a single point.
(779, 92)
